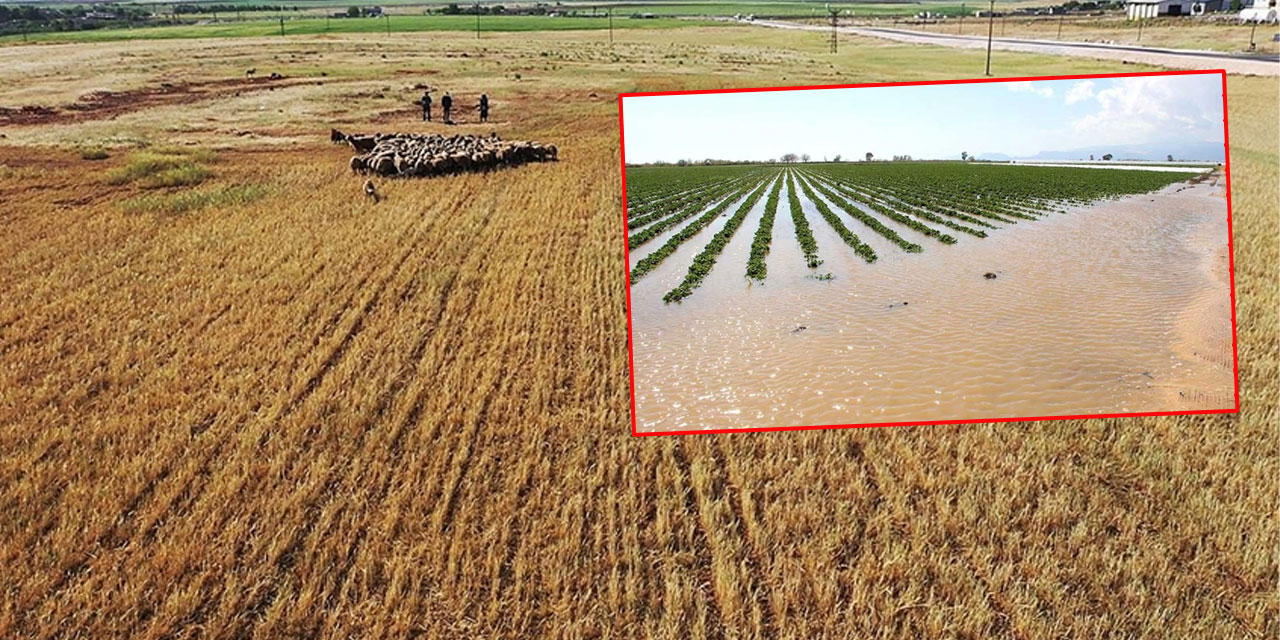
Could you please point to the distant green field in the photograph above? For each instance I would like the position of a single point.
(781, 9)
(311, 26)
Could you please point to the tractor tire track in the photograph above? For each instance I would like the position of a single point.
(766, 603)
(701, 539)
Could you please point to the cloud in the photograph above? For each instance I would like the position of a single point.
(1135, 110)
(1044, 90)
(1080, 92)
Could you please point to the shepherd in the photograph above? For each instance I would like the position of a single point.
(426, 105)
(446, 103)
(484, 107)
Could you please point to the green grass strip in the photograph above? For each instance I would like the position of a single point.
(707, 258)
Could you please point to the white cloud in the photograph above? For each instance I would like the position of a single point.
(1080, 92)
(1139, 109)
(1043, 90)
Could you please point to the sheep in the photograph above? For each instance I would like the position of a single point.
(401, 154)
(362, 144)
(384, 165)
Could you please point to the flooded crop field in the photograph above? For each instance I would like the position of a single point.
(948, 292)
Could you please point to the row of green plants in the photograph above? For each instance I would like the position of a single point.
(651, 261)
(804, 235)
(986, 206)
(645, 188)
(706, 259)
(957, 196)
(859, 247)
(655, 209)
(675, 211)
(649, 187)
(879, 196)
(968, 206)
(756, 267)
(654, 230)
(908, 199)
(841, 200)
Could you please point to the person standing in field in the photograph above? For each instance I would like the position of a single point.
(446, 103)
(426, 105)
(484, 107)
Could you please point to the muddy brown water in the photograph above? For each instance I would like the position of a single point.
(1121, 306)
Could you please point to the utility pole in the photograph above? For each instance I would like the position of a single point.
(1140, 21)
(1253, 46)
(834, 14)
(282, 25)
(961, 29)
(386, 17)
(991, 25)
(610, 26)
(477, 19)
(1061, 17)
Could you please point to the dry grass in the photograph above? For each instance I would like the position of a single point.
(312, 416)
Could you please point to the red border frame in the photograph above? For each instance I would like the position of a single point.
(1231, 256)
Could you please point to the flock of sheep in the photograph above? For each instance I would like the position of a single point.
(407, 154)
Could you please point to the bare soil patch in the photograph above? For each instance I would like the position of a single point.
(109, 104)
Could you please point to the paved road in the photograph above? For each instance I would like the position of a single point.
(1260, 65)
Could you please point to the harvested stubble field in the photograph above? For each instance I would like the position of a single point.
(243, 401)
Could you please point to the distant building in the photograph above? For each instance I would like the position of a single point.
(1141, 9)
(1259, 11)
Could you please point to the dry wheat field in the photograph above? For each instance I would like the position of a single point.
(238, 399)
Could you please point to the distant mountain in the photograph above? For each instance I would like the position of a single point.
(1191, 151)
(994, 157)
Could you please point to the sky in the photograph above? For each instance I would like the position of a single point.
(1018, 119)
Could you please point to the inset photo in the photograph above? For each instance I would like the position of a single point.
(969, 251)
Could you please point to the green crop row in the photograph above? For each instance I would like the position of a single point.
(684, 208)
(756, 267)
(703, 262)
(804, 235)
(883, 210)
(651, 261)
(848, 236)
(650, 232)
(925, 204)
